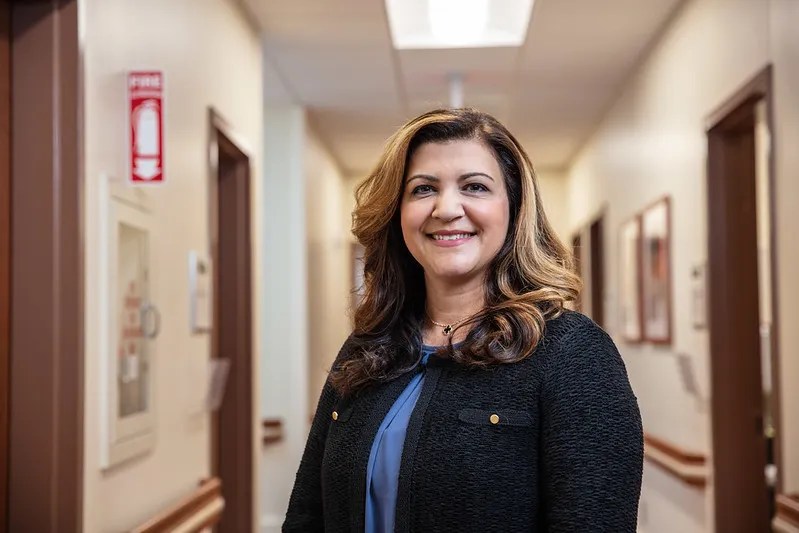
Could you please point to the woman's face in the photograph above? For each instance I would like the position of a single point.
(454, 211)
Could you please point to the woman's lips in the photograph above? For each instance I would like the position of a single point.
(448, 240)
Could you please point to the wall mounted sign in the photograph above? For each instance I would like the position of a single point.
(146, 127)
(200, 292)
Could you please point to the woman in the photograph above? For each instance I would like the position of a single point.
(467, 398)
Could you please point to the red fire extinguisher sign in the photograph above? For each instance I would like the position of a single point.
(146, 127)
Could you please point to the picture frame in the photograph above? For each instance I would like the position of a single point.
(656, 300)
(630, 305)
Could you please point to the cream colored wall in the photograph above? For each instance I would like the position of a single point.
(784, 47)
(284, 322)
(306, 292)
(652, 144)
(328, 263)
(554, 195)
(210, 56)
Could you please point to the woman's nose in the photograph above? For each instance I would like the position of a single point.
(448, 206)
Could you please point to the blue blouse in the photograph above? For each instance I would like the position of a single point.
(382, 471)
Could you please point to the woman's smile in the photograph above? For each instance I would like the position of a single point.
(449, 239)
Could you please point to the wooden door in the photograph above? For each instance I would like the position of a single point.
(232, 433)
(740, 449)
(5, 248)
(597, 271)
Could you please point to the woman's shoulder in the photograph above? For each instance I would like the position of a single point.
(569, 324)
(576, 341)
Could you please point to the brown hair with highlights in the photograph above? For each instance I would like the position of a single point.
(528, 282)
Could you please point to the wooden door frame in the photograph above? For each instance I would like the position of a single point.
(237, 448)
(596, 239)
(45, 476)
(5, 245)
(757, 89)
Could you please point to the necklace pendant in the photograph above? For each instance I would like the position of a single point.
(447, 329)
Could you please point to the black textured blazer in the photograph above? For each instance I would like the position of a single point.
(551, 444)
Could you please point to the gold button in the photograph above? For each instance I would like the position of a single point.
(335, 415)
(494, 419)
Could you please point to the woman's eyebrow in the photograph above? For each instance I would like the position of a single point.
(473, 174)
(462, 177)
(422, 177)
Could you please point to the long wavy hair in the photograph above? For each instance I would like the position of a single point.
(527, 283)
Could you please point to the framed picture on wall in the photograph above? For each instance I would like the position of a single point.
(630, 282)
(656, 271)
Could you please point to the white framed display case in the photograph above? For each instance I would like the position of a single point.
(130, 323)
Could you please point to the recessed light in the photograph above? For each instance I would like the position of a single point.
(425, 24)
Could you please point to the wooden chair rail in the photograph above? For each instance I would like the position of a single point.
(787, 518)
(201, 509)
(689, 467)
(273, 430)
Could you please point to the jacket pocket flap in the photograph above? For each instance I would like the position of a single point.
(495, 417)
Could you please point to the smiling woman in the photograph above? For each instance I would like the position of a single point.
(463, 356)
(454, 214)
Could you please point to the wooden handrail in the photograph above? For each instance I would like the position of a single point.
(678, 454)
(201, 509)
(273, 430)
(787, 517)
(689, 467)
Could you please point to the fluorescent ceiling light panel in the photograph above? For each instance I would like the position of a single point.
(426, 24)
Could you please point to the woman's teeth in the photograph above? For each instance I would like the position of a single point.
(454, 237)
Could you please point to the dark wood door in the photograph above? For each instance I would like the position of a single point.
(598, 272)
(45, 423)
(739, 446)
(5, 249)
(577, 252)
(232, 435)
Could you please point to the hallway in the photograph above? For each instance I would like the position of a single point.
(181, 200)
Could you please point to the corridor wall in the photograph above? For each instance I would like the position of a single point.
(784, 48)
(554, 189)
(284, 322)
(210, 56)
(651, 144)
(329, 253)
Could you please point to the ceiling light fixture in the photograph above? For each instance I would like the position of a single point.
(458, 23)
(431, 24)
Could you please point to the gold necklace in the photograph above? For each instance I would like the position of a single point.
(447, 328)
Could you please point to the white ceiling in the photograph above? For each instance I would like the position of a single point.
(336, 58)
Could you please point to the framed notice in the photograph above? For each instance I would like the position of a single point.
(630, 282)
(656, 271)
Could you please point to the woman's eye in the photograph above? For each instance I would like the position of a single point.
(421, 189)
(476, 187)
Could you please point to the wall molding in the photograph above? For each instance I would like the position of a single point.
(787, 518)
(272, 430)
(689, 467)
(199, 510)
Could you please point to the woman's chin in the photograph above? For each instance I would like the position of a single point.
(451, 275)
